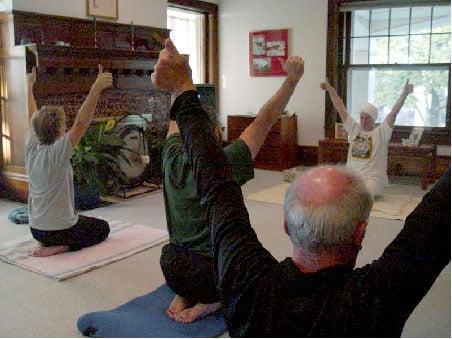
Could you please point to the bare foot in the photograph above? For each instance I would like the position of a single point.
(177, 305)
(199, 310)
(48, 251)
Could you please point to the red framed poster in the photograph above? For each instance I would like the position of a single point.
(266, 51)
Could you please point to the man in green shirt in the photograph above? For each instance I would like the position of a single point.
(187, 262)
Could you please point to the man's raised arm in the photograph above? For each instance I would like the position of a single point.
(254, 135)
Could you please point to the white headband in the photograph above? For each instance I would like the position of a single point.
(371, 110)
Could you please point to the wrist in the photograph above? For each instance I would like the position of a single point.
(293, 80)
(185, 86)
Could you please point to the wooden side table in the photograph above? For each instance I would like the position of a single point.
(335, 151)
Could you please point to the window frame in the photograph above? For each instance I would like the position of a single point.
(210, 13)
(338, 64)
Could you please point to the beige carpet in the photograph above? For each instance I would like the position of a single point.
(390, 206)
(123, 241)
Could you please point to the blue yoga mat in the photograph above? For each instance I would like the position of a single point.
(146, 316)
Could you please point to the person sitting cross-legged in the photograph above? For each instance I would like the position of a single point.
(316, 292)
(53, 219)
(368, 151)
(187, 262)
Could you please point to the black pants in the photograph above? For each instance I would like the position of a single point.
(85, 233)
(189, 274)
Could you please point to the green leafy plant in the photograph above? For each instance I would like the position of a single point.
(96, 159)
(156, 139)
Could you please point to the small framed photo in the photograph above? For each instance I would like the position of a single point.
(339, 132)
(102, 8)
(416, 135)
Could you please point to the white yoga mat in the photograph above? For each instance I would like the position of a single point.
(389, 206)
(123, 241)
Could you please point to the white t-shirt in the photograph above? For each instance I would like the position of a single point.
(51, 187)
(368, 151)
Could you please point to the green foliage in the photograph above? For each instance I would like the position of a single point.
(96, 159)
(156, 139)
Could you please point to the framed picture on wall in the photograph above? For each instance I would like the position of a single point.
(267, 51)
(102, 8)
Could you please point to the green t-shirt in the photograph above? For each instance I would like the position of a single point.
(185, 216)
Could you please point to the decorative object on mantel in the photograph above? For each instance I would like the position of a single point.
(102, 8)
(267, 50)
(415, 137)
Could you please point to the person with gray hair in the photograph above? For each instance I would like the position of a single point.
(53, 219)
(326, 227)
(368, 151)
(316, 292)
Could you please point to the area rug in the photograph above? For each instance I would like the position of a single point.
(389, 206)
(145, 317)
(123, 241)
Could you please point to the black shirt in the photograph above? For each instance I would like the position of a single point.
(263, 297)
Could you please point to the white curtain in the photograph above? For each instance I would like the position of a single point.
(187, 32)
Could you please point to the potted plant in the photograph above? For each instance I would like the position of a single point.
(95, 164)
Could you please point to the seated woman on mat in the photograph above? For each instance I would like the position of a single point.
(53, 219)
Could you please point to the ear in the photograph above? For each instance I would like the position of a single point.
(286, 227)
(359, 233)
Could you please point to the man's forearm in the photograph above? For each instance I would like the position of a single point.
(254, 135)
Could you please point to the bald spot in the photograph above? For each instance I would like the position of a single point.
(322, 185)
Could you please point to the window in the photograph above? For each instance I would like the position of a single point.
(382, 47)
(187, 28)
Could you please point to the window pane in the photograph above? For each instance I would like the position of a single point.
(440, 52)
(419, 49)
(187, 33)
(441, 19)
(378, 50)
(360, 51)
(425, 107)
(400, 21)
(379, 22)
(398, 50)
(420, 20)
(360, 23)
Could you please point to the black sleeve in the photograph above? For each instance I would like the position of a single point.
(239, 256)
(409, 266)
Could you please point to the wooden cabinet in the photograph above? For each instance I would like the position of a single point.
(279, 150)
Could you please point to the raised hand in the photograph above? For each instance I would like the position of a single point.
(408, 88)
(31, 77)
(294, 67)
(172, 72)
(326, 86)
(103, 81)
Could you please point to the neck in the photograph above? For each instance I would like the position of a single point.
(308, 262)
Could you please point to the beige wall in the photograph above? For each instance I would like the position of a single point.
(240, 93)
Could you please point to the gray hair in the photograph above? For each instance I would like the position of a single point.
(47, 123)
(329, 226)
